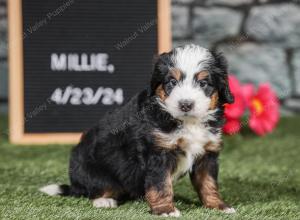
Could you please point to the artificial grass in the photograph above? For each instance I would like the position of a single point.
(258, 176)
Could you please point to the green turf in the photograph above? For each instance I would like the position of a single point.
(258, 176)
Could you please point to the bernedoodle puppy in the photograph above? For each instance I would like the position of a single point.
(172, 128)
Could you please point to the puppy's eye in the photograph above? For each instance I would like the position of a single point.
(203, 83)
(170, 85)
(173, 82)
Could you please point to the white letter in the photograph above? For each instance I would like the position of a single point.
(58, 63)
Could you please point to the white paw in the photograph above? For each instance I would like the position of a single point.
(51, 190)
(175, 214)
(229, 210)
(105, 203)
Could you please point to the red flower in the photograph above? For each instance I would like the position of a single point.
(233, 112)
(264, 108)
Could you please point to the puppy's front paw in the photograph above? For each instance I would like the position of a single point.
(105, 203)
(175, 213)
(229, 210)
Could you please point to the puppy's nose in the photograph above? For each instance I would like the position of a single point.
(186, 105)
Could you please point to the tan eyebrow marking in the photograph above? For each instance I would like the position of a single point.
(202, 75)
(176, 73)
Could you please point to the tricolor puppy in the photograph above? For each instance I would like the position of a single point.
(170, 129)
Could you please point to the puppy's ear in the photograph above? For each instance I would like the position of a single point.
(220, 68)
(161, 66)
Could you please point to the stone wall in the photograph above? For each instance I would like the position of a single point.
(260, 38)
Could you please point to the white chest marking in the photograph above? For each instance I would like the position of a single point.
(195, 136)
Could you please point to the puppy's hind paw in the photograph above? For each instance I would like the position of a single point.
(175, 214)
(229, 210)
(105, 203)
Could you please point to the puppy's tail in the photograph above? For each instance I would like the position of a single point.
(55, 189)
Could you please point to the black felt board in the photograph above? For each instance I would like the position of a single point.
(121, 33)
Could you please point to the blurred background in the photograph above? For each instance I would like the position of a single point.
(260, 38)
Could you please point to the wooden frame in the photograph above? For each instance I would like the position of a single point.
(164, 26)
(16, 87)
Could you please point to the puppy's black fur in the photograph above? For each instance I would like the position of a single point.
(120, 154)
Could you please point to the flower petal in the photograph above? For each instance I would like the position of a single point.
(248, 92)
(232, 126)
(256, 126)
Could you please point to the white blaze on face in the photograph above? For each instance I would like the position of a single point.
(190, 60)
